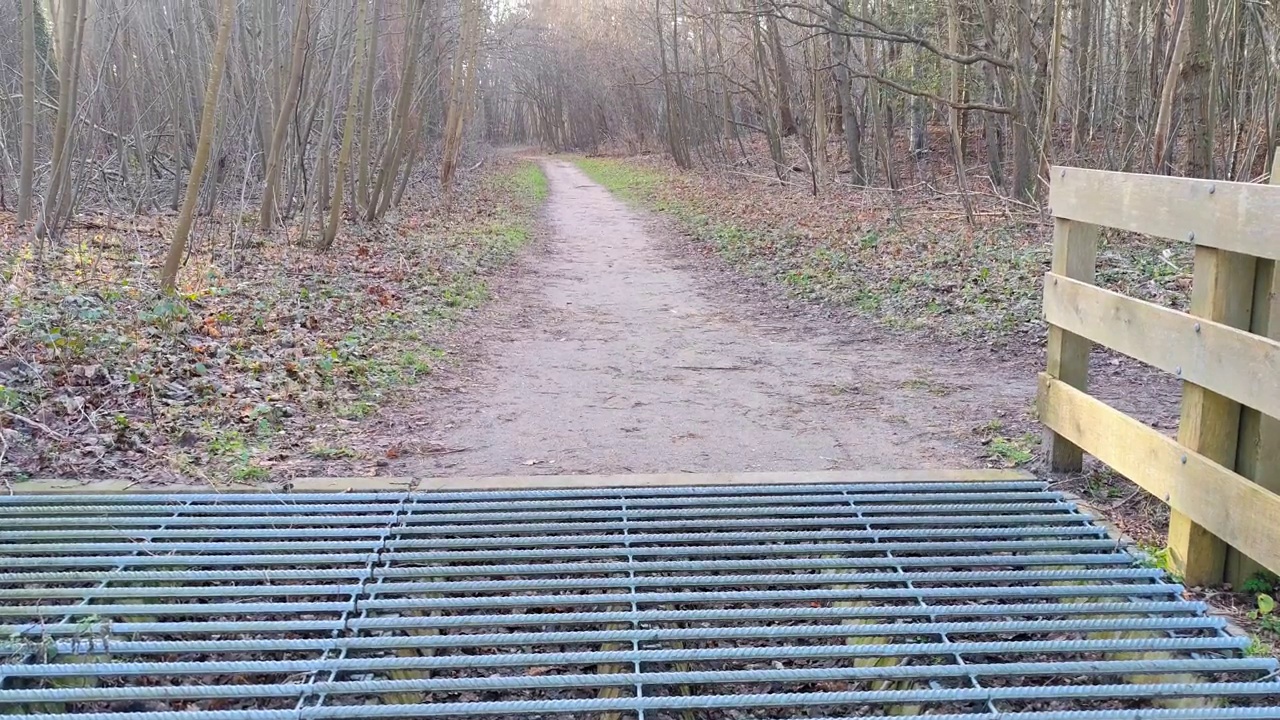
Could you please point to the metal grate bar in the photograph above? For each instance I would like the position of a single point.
(597, 507)
(409, 710)
(269, 558)
(968, 601)
(513, 682)
(1171, 610)
(550, 568)
(130, 647)
(814, 534)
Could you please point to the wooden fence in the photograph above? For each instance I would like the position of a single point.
(1221, 475)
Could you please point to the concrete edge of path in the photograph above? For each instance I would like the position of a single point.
(530, 482)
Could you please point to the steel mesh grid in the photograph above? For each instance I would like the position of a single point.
(939, 600)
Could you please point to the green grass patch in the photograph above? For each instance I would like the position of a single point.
(622, 178)
(529, 181)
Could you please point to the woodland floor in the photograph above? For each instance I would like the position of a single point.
(267, 358)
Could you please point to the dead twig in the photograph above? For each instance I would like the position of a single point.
(37, 425)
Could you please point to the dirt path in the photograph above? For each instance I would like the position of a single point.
(615, 353)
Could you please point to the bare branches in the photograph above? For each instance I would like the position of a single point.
(914, 92)
(882, 33)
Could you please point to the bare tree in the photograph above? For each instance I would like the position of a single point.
(348, 127)
(208, 126)
(288, 106)
(56, 202)
(27, 172)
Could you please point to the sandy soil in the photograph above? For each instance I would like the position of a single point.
(616, 349)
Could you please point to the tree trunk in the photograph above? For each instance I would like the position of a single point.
(348, 130)
(68, 69)
(1023, 178)
(782, 78)
(916, 136)
(728, 120)
(993, 125)
(288, 104)
(880, 134)
(1084, 86)
(366, 107)
(208, 126)
(768, 108)
(1050, 110)
(681, 115)
(398, 139)
(26, 173)
(848, 115)
(459, 95)
(1198, 68)
(1160, 153)
(675, 139)
(955, 117)
(820, 125)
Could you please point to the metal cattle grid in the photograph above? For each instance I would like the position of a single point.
(946, 600)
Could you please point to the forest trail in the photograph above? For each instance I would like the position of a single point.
(615, 352)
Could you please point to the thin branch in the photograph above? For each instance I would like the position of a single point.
(883, 33)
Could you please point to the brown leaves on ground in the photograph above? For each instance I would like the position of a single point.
(101, 376)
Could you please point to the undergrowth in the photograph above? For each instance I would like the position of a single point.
(908, 259)
(101, 375)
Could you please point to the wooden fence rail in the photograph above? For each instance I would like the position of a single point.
(1221, 475)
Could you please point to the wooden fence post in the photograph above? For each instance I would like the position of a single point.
(1075, 255)
(1258, 456)
(1221, 290)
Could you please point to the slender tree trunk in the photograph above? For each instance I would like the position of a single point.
(955, 117)
(1164, 116)
(288, 104)
(679, 152)
(1023, 177)
(348, 129)
(180, 123)
(816, 141)
(879, 132)
(1084, 86)
(1050, 110)
(730, 127)
(848, 115)
(1198, 70)
(782, 78)
(68, 68)
(389, 164)
(1136, 113)
(1158, 64)
(416, 132)
(681, 113)
(993, 125)
(208, 126)
(464, 63)
(917, 134)
(366, 107)
(768, 108)
(26, 174)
